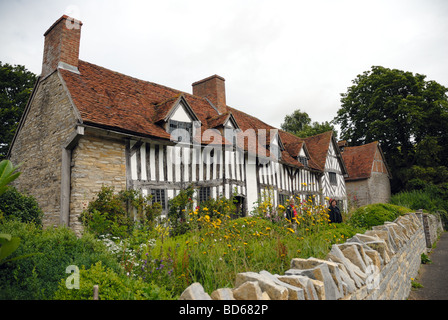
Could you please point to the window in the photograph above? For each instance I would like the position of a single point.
(181, 131)
(303, 160)
(282, 199)
(158, 195)
(333, 179)
(204, 194)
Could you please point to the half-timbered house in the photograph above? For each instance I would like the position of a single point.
(86, 126)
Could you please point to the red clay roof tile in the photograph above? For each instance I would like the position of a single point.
(359, 160)
(114, 100)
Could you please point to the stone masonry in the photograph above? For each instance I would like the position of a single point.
(96, 161)
(49, 122)
(376, 265)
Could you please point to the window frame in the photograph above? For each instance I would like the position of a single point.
(204, 197)
(181, 125)
(333, 178)
(159, 194)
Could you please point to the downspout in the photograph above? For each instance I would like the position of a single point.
(67, 148)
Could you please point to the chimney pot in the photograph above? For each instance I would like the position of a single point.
(212, 88)
(61, 46)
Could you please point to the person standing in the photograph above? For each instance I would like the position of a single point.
(335, 213)
(291, 210)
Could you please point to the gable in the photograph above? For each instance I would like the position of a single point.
(180, 113)
(361, 161)
(334, 160)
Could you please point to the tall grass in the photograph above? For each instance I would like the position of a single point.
(419, 199)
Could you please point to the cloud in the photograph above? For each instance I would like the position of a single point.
(276, 56)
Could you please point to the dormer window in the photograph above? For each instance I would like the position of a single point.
(303, 160)
(181, 131)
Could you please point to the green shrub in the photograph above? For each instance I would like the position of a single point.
(376, 214)
(115, 213)
(16, 205)
(112, 286)
(37, 277)
(431, 198)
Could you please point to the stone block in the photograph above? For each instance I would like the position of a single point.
(356, 255)
(294, 292)
(302, 282)
(322, 273)
(274, 291)
(249, 290)
(222, 294)
(195, 292)
(352, 270)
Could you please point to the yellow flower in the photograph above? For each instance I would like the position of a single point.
(291, 230)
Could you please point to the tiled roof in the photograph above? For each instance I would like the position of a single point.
(318, 147)
(359, 160)
(115, 101)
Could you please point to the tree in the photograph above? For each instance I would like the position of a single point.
(16, 84)
(299, 124)
(296, 121)
(405, 113)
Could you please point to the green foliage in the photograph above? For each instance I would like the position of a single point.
(430, 197)
(16, 84)
(425, 259)
(178, 207)
(7, 174)
(405, 113)
(115, 213)
(8, 245)
(376, 214)
(296, 121)
(50, 252)
(299, 123)
(16, 205)
(111, 286)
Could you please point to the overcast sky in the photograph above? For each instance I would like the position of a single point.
(276, 56)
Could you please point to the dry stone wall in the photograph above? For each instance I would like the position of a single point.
(376, 265)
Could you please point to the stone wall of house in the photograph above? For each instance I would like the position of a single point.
(379, 188)
(96, 161)
(376, 189)
(49, 123)
(376, 265)
(357, 193)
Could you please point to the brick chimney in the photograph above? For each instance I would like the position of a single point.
(61, 47)
(213, 88)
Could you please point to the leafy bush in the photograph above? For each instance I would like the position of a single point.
(111, 286)
(16, 205)
(37, 277)
(116, 213)
(7, 174)
(376, 214)
(179, 206)
(431, 198)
